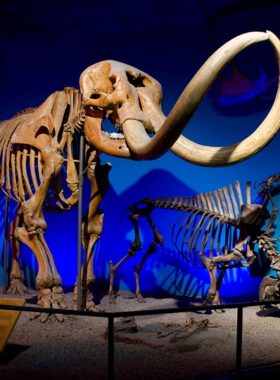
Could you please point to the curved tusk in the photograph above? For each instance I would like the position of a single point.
(148, 149)
(232, 154)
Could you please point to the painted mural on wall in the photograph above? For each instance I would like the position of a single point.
(239, 95)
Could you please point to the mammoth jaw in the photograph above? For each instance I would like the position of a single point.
(94, 135)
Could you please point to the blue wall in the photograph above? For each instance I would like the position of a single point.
(30, 70)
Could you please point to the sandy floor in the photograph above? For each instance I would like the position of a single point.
(74, 349)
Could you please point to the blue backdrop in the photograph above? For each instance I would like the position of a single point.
(32, 69)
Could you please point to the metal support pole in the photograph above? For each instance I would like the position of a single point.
(80, 216)
(5, 246)
(239, 341)
(110, 348)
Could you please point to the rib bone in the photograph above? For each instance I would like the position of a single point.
(248, 193)
(24, 172)
(228, 202)
(235, 206)
(239, 194)
(218, 202)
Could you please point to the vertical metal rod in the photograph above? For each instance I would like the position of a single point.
(80, 216)
(239, 341)
(110, 348)
(5, 246)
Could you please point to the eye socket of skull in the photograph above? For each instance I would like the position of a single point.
(95, 96)
(113, 80)
(138, 80)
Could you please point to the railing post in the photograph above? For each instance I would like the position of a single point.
(110, 348)
(80, 216)
(5, 246)
(239, 341)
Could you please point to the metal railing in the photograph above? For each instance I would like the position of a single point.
(112, 315)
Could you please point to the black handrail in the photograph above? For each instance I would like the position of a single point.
(112, 315)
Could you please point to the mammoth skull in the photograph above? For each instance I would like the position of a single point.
(120, 93)
(131, 100)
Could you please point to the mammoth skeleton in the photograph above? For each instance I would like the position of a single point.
(47, 138)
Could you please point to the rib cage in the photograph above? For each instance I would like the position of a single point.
(204, 218)
(21, 167)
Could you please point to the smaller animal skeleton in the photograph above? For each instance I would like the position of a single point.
(207, 216)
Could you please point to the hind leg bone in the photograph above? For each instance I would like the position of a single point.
(16, 274)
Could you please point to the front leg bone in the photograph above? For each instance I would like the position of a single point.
(137, 244)
(113, 269)
(92, 227)
(158, 238)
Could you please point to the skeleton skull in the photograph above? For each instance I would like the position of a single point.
(119, 92)
(132, 100)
